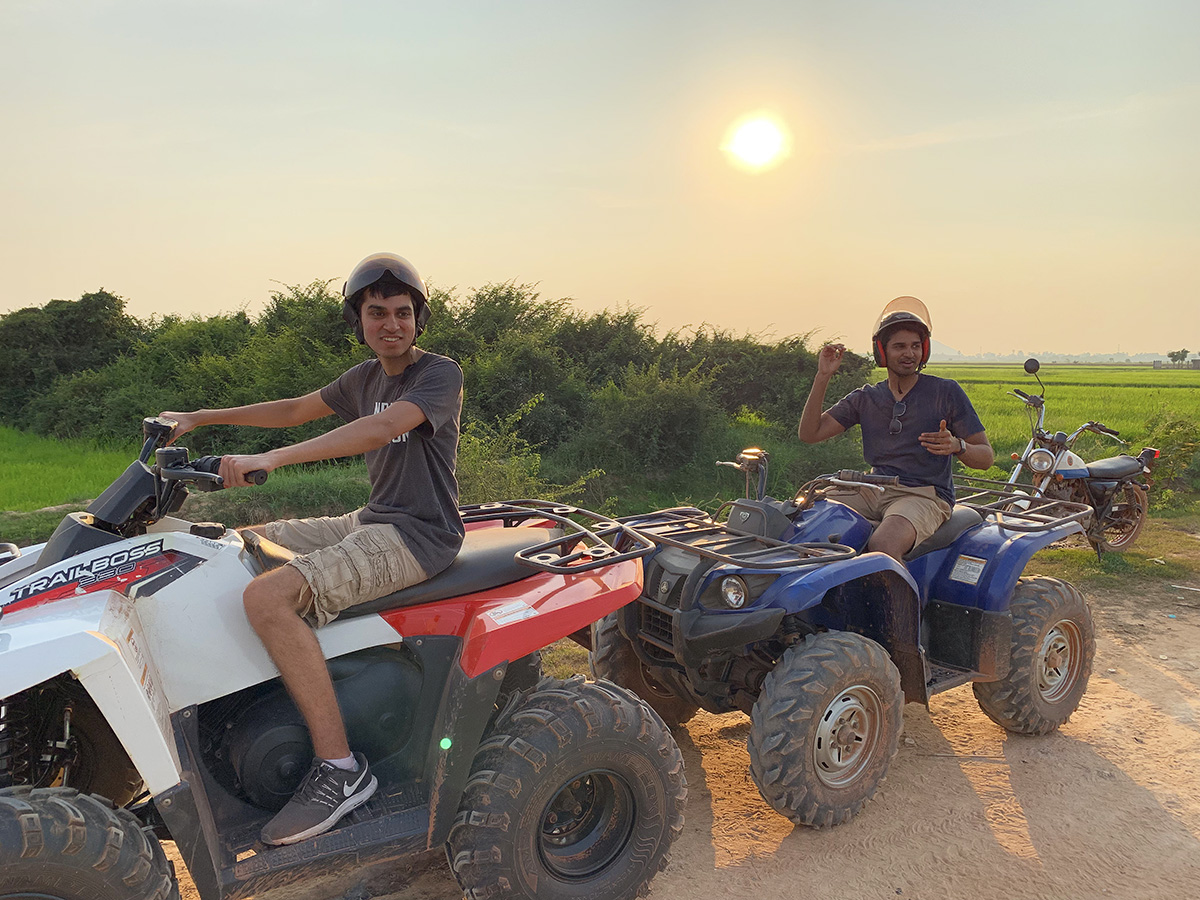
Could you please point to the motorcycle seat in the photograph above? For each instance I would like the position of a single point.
(1114, 467)
(961, 519)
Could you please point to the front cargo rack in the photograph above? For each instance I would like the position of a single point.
(1015, 509)
(588, 540)
(694, 530)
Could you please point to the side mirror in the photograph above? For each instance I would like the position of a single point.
(1032, 365)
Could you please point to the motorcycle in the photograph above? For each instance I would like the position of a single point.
(1115, 488)
(137, 705)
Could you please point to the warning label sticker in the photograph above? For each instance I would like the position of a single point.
(512, 612)
(968, 569)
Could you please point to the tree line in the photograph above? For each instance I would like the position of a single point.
(598, 396)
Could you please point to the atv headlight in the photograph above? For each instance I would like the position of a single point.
(1040, 461)
(734, 591)
(724, 592)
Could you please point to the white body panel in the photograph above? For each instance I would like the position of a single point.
(98, 638)
(142, 658)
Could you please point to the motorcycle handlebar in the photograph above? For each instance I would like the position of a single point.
(1033, 400)
(1104, 429)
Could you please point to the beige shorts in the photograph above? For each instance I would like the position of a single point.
(921, 506)
(345, 562)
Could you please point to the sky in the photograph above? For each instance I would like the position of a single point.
(1028, 169)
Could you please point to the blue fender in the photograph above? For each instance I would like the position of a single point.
(981, 568)
(801, 589)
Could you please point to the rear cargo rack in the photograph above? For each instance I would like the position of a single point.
(695, 531)
(589, 540)
(1014, 509)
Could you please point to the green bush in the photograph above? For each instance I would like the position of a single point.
(60, 339)
(1178, 468)
(552, 394)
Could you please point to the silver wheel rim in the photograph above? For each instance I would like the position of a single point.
(847, 735)
(1058, 660)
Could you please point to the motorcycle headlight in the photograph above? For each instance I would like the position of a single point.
(734, 591)
(1040, 461)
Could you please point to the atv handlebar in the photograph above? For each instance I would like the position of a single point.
(870, 478)
(173, 463)
(212, 465)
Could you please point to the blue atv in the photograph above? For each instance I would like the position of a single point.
(772, 608)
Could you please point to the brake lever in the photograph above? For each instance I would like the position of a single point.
(204, 481)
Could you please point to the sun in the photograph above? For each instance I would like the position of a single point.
(757, 142)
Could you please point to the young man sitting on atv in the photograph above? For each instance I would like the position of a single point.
(402, 410)
(913, 425)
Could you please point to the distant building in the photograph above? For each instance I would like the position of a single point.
(1196, 363)
(1158, 364)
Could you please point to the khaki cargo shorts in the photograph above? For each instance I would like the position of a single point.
(921, 506)
(344, 562)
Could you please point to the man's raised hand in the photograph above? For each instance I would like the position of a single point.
(830, 358)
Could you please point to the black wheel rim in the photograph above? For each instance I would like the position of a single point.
(587, 824)
(654, 687)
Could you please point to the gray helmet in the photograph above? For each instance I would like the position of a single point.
(374, 268)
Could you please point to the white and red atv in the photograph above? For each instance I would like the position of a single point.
(136, 704)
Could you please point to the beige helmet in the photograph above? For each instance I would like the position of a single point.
(907, 312)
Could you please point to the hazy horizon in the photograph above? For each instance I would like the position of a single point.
(1026, 169)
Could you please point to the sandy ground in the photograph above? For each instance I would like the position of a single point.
(1107, 807)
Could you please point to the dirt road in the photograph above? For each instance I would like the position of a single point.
(1107, 807)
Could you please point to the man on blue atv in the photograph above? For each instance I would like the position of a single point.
(913, 425)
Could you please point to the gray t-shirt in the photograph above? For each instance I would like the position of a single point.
(412, 477)
(929, 401)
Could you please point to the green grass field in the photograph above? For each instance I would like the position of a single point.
(1127, 398)
(37, 471)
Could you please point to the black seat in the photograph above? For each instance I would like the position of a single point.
(961, 519)
(1114, 467)
(485, 561)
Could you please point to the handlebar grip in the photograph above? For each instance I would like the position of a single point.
(867, 477)
(1020, 393)
(209, 464)
(212, 465)
(1104, 429)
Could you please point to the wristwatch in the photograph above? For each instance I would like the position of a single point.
(962, 446)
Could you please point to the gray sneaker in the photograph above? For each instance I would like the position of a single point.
(325, 795)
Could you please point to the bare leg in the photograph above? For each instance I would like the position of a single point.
(272, 603)
(895, 536)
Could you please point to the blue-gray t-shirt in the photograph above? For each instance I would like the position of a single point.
(929, 401)
(412, 477)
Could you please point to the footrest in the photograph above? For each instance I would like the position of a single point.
(942, 678)
(384, 826)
